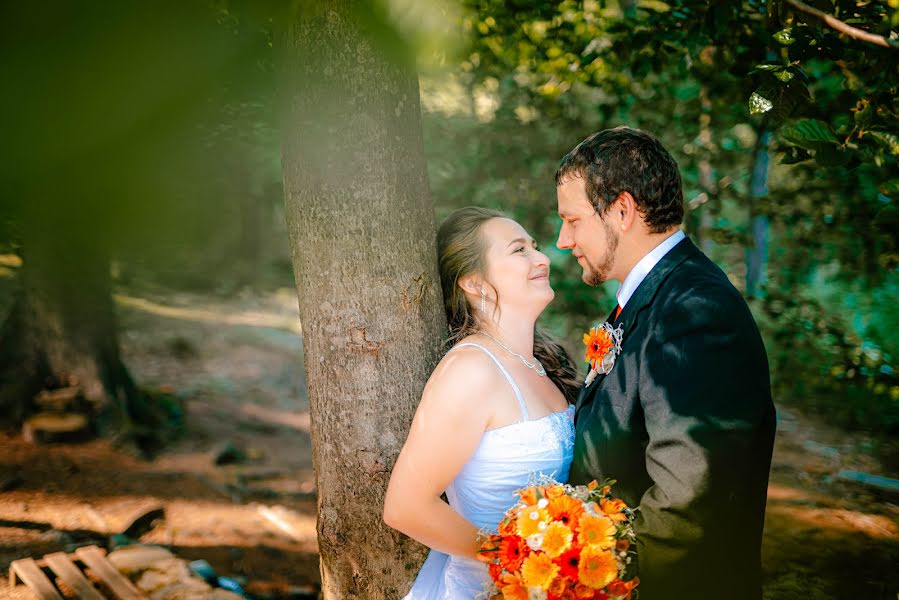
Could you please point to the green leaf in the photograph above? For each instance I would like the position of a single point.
(654, 5)
(785, 36)
(784, 75)
(887, 140)
(890, 188)
(808, 133)
(758, 104)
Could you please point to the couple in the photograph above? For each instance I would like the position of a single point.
(683, 419)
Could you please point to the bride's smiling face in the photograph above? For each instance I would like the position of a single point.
(516, 270)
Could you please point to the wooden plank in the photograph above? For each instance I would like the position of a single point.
(66, 570)
(32, 576)
(94, 559)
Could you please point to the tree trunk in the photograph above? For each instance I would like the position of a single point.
(362, 235)
(757, 254)
(61, 330)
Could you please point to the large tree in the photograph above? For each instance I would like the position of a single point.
(362, 234)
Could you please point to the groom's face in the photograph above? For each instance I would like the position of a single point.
(589, 237)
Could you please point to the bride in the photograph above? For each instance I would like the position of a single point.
(495, 413)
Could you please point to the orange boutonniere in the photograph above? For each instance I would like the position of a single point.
(603, 345)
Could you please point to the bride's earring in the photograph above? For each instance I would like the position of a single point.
(483, 301)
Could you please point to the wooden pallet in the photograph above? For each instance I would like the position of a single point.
(68, 568)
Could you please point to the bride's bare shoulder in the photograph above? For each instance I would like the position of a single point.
(465, 366)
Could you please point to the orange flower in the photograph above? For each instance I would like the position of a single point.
(495, 570)
(613, 509)
(553, 491)
(622, 545)
(507, 526)
(597, 568)
(558, 586)
(599, 343)
(582, 591)
(528, 495)
(622, 588)
(568, 562)
(529, 520)
(513, 587)
(538, 570)
(489, 549)
(567, 510)
(592, 485)
(512, 551)
(597, 531)
(556, 539)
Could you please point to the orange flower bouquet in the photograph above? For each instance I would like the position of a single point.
(562, 542)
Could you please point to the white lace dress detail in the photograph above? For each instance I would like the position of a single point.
(507, 459)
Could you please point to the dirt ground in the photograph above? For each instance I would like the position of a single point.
(237, 365)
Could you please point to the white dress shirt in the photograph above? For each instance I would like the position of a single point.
(644, 266)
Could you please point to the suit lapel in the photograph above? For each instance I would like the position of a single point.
(646, 291)
(641, 298)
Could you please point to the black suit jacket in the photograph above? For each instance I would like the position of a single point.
(685, 422)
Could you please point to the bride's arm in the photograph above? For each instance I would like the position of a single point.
(445, 432)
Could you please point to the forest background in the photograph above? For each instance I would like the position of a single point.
(143, 154)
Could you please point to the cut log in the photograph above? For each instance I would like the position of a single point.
(48, 428)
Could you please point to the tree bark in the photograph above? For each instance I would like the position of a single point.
(362, 235)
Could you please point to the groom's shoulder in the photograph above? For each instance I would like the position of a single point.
(701, 288)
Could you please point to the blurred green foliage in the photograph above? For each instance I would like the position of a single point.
(709, 79)
(159, 124)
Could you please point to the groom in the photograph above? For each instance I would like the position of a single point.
(683, 420)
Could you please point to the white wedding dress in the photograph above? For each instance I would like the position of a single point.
(507, 459)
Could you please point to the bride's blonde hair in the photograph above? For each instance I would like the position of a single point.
(461, 251)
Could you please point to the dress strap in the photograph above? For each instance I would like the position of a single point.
(521, 404)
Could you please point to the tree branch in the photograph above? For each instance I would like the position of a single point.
(842, 27)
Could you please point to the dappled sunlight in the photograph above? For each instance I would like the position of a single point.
(836, 520)
(224, 315)
(298, 421)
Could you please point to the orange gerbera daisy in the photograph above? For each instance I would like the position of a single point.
(538, 570)
(512, 551)
(513, 587)
(566, 510)
(613, 509)
(568, 562)
(599, 343)
(597, 531)
(495, 570)
(556, 539)
(529, 520)
(598, 568)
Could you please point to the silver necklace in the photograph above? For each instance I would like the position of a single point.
(536, 366)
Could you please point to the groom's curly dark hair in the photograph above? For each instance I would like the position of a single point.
(628, 160)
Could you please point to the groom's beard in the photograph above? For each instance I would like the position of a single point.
(599, 274)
